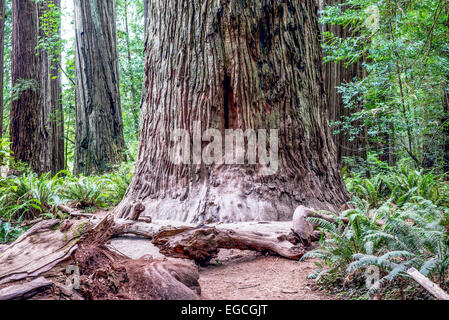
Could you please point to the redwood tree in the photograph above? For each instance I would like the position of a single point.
(335, 75)
(2, 60)
(234, 64)
(50, 135)
(445, 119)
(24, 74)
(145, 13)
(99, 125)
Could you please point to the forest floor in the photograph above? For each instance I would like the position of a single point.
(247, 275)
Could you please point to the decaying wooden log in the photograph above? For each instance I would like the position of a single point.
(40, 249)
(202, 244)
(24, 290)
(425, 282)
(81, 243)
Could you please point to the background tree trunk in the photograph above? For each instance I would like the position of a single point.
(2, 60)
(99, 125)
(24, 71)
(234, 64)
(335, 75)
(50, 142)
(145, 14)
(446, 129)
(134, 95)
(446, 111)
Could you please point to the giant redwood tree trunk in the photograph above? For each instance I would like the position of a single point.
(99, 125)
(24, 73)
(234, 64)
(50, 141)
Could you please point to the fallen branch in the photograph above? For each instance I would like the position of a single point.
(74, 213)
(425, 282)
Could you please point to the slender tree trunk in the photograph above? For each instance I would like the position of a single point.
(50, 142)
(335, 75)
(24, 72)
(446, 110)
(446, 129)
(234, 65)
(99, 125)
(2, 60)
(135, 102)
(145, 14)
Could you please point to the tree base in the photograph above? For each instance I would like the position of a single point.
(228, 198)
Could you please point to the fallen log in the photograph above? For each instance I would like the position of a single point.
(203, 243)
(425, 282)
(104, 274)
(24, 290)
(40, 248)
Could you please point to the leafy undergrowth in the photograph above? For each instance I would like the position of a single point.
(399, 220)
(27, 196)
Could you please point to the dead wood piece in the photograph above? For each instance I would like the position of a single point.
(202, 244)
(137, 211)
(40, 249)
(425, 282)
(139, 228)
(24, 290)
(31, 223)
(104, 273)
(107, 275)
(73, 212)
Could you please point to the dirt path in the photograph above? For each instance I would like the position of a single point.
(243, 275)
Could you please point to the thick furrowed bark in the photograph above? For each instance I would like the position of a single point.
(50, 135)
(335, 75)
(24, 74)
(99, 131)
(2, 60)
(234, 65)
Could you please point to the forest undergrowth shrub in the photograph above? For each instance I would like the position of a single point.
(26, 196)
(400, 220)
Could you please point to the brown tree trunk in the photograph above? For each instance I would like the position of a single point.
(234, 65)
(134, 94)
(446, 127)
(2, 60)
(24, 72)
(50, 142)
(99, 125)
(145, 13)
(335, 75)
(446, 112)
